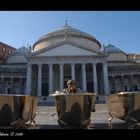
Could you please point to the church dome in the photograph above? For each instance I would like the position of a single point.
(21, 51)
(114, 53)
(67, 33)
(112, 49)
(67, 30)
(19, 56)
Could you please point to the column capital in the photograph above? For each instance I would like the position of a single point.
(39, 64)
(104, 63)
(50, 64)
(73, 64)
(83, 63)
(61, 64)
(94, 63)
(28, 65)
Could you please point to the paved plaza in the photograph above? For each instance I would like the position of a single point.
(46, 118)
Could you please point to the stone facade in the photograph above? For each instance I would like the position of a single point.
(66, 54)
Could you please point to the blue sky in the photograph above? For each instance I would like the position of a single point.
(120, 28)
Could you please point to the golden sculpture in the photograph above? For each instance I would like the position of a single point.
(71, 87)
(16, 110)
(125, 106)
(74, 108)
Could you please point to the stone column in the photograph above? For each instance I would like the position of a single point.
(84, 84)
(95, 78)
(73, 72)
(50, 78)
(105, 77)
(61, 77)
(28, 79)
(39, 82)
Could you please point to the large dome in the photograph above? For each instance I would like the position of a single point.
(67, 30)
(67, 33)
(112, 49)
(19, 56)
(115, 54)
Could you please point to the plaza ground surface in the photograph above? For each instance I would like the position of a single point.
(46, 118)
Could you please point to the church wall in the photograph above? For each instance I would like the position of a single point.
(117, 57)
(16, 59)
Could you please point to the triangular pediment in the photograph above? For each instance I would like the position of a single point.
(65, 50)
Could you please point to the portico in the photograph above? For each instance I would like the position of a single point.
(53, 75)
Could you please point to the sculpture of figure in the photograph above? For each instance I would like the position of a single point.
(71, 87)
(74, 107)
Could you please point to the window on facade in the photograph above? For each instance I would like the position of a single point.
(125, 88)
(4, 49)
(8, 91)
(9, 51)
(135, 88)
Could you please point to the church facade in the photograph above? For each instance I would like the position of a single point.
(69, 53)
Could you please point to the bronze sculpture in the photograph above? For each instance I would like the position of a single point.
(74, 108)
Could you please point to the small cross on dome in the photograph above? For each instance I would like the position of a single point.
(66, 24)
